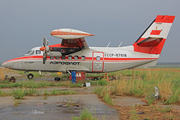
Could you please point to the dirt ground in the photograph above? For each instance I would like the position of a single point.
(45, 107)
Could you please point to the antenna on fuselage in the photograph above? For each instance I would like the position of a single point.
(120, 44)
(108, 44)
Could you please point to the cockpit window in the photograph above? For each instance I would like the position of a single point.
(29, 52)
(32, 53)
(38, 52)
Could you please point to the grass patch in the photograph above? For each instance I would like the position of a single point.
(20, 93)
(101, 82)
(79, 84)
(133, 114)
(143, 85)
(108, 99)
(162, 110)
(85, 115)
(16, 102)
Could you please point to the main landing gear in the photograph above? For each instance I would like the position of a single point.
(30, 76)
(57, 79)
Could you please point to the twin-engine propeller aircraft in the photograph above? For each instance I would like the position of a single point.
(73, 54)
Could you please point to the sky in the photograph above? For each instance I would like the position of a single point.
(23, 23)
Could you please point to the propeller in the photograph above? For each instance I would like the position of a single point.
(45, 49)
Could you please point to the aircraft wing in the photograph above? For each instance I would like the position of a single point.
(71, 37)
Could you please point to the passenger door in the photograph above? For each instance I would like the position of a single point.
(97, 61)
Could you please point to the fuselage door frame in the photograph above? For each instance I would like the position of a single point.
(97, 61)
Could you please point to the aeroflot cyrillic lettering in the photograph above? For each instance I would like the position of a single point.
(64, 63)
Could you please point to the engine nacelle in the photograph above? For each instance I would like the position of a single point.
(54, 54)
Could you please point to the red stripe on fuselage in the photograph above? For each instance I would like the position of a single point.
(106, 59)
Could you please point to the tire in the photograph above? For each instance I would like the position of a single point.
(57, 79)
(30, 76)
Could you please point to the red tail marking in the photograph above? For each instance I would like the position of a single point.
(164, 19)
(155, 32)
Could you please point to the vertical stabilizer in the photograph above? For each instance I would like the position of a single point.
(153, 38)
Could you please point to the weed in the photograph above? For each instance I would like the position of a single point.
(85, 115)
(79, 84)
(162, 110)
(169, 117)
(103, 117)
(45, 92)
(18, 93)
(150, 100)
(85, 88)
(45, 98)
(98, 90)
(16, 102)
(102, 82)
(133, 112)
(38, 92)
(31, 91)
(108, 99)
(2, 93)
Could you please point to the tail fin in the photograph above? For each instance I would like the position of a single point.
(154, 37)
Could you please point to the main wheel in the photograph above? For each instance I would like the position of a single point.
(57, 79)
(30, 76)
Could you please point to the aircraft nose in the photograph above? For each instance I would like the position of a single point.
(6, 64)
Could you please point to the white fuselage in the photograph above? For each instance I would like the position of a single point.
(94, 59)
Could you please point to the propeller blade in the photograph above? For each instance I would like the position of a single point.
(44, 41)
(47, 42)
(44, 57)
(44, 60)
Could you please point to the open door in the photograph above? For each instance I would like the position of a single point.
(97, 61)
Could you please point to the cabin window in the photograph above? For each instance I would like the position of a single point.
(98, 58)
(63, 57)
(57, 58)
(82, 57)
(76, 57)
(51, 58)
(69, 57)
(38, 52)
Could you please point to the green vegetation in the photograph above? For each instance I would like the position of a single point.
(143, 85)
(162, 110)
(133, 112)
(100, 82)
(79, 84)
(139, 83)
(36, 84)
(16, 102)
(85, 115)
(20, 93)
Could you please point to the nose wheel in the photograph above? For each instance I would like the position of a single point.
(30, 76)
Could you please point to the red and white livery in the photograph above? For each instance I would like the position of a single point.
(73, 53)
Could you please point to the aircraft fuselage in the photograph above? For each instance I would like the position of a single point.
(94, 59)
